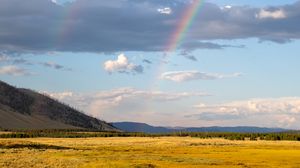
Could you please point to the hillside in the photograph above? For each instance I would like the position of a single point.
(26, 109)
(142, 127)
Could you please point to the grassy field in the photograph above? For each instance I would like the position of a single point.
(147, 152)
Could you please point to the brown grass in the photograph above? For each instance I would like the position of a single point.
(147, 153)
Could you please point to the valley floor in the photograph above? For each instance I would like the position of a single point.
(166, 152)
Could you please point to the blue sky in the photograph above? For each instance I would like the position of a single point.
(235, 66)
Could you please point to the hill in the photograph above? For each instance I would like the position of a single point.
(27, 109)
(142, 127)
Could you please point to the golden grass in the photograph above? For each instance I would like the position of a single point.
(5, 132)
(166, 152)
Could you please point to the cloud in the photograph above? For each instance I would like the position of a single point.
(55, 66)
(191, 57)
(14, 60)
(122, 65)
(13, 70)
(123, 104)
(183, 76)
(147, 61)
(157, 106)
(186, 55)
(286, 121)
(277, 14)
(228, 7)
(39, 26)
(282, 111)
(59, 95)
(18, 60)
(21, 61)
(121, 99)
(4, 58)
(289, 105)
(166, 10)
(190, 46)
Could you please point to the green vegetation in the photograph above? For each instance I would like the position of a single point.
(69, 133)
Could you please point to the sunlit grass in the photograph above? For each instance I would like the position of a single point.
(147, 152)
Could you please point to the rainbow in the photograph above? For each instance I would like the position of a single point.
(186, 21)
(187, 18)
(67, 21)
(184, 25)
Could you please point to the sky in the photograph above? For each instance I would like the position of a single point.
(166, 63)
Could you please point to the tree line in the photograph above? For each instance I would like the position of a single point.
(74, 133)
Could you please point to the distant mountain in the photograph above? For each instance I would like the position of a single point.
(26, 109)
(142, 127)
(239, 129)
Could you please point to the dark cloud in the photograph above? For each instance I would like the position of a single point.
(138, 69)
(186, 55)
(21, 61)
(191, 57)
(135, 25)
(193, 45)
(54, 66)
(147, 61)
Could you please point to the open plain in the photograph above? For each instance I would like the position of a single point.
(147, 152)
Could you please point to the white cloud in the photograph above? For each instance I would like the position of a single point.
(125, 93)
(59, 95)
(62, 2)
(122, 65)
(166, 10)
(182, 76)
(272, 106)
(13, 70)
(286, 121)
(119, 99)
(277, 14)
(129, 104)
(281, 112)
(226, 7)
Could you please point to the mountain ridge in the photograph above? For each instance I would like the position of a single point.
(26, 109)
(146, 128)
